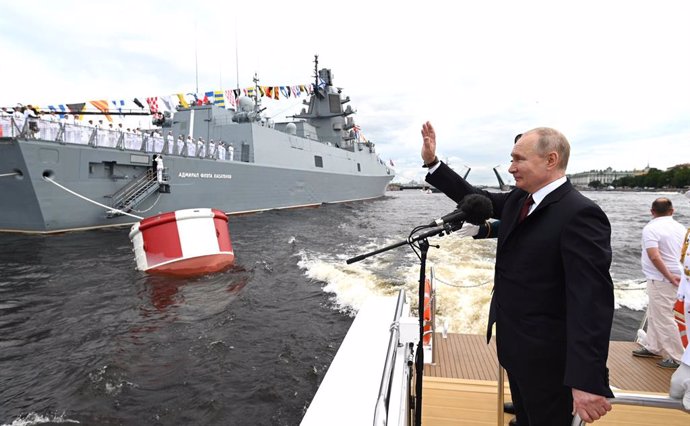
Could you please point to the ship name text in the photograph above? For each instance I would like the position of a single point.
(198, 175)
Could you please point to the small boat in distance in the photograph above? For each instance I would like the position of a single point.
(57, 177)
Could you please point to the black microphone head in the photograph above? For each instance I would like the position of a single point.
(477, 207)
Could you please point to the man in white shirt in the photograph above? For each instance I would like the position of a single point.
(680, 381)
(662, 239)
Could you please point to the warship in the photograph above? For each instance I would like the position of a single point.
(57, 176)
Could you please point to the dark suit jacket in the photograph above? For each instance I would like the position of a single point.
(553, 294)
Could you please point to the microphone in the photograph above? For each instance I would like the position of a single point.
(474, 208)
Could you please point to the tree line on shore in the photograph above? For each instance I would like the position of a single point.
(674, 177)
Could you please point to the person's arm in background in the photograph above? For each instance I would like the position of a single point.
(655, 257)
(488, 229)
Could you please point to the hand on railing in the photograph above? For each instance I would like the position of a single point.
(642, 401)
(590, 406)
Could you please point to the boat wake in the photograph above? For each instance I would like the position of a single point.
(32, 419)
(464, 270)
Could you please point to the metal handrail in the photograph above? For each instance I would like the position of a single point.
(640, 400)
(381, 410)
(432, 302)
(501, 396)
(121, 137)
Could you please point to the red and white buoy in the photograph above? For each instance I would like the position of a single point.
(184, 242)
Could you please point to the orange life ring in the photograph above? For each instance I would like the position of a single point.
(427, 312)
(679, 316)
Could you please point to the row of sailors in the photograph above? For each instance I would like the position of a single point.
(113, 137)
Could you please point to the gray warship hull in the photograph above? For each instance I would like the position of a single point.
(57, 177)
(32, 203)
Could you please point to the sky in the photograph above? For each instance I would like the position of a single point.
(613, 76)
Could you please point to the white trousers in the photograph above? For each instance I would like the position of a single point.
(663, 337)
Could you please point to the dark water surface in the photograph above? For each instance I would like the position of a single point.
(86, 338)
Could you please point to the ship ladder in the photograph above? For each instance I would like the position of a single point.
(135, 193)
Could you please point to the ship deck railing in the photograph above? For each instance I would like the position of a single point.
(36, 128)
(114, 138)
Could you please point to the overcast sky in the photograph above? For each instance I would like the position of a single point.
(613, 76)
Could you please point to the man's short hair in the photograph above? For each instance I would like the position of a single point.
(553, 140)
(662, 206)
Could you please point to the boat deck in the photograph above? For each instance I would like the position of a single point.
(460, 388)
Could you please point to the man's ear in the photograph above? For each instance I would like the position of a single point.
(552, 159)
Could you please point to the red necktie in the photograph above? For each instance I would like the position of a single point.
(525, 208)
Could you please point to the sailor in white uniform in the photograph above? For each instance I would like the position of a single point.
(191, 146)
(680, 381)
(18, 117)
(201, 147)
(46, 127)
(159, 168)
(180, 146)
(212, 149)
(5, 122)
(170, 142)
(221, 150)
(100, 133)
(66, 128)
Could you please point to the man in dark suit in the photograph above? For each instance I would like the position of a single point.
(553, 295)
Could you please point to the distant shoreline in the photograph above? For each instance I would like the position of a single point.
(666, 190)
(400, 187)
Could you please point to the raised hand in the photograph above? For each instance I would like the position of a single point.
(429, 143)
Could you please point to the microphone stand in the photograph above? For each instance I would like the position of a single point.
(424, 245)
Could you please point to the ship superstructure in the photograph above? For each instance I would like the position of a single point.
(58, 176)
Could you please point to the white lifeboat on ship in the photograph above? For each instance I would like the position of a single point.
(184, 243)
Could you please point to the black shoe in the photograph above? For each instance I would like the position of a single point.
(513, 422)
(668, 363)
(509, 408)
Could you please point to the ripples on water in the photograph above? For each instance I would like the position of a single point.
(85, 337)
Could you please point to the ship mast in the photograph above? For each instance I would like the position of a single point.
(257, 98)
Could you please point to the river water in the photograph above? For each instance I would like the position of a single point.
(85, 337)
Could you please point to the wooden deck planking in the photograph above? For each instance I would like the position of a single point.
(460, 388)
(467, 356)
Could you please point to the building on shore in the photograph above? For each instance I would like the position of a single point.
(605, 177)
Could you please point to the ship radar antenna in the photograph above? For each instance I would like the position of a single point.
(257, 98)
(237, 60)
(316, 70)
(196, 59)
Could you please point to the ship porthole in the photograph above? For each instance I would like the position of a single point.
(18, 174)
(48, 174)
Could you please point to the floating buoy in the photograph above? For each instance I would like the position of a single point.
(183, 243)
